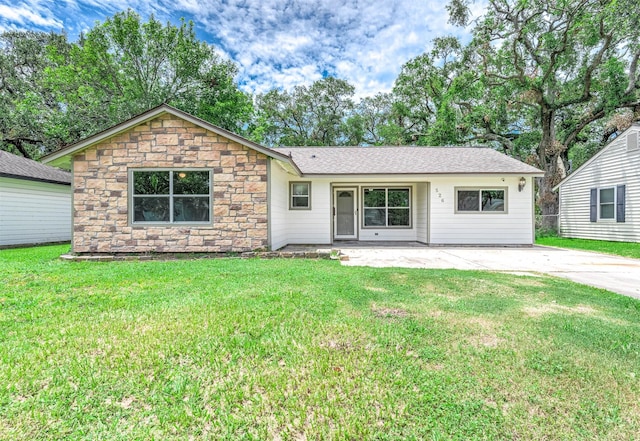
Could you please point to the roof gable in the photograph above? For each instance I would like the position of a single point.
(17, 167)
(63, 156)
(611, 144)
(404, 160)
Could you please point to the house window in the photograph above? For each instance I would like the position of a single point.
(475, 200)
(607, 203)
(386, 207)
(171, 196)
(300, 196)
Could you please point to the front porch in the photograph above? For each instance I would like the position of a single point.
(347, 244)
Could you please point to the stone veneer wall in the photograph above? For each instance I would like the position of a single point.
(101, 199)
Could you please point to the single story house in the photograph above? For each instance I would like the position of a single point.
(35, 202)
(166, 181)
(601, 199)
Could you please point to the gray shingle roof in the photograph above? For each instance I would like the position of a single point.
(14, 166)
(403, 160)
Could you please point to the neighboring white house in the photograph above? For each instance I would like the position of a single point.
(601, 199)
(166, 181)
(35, 202)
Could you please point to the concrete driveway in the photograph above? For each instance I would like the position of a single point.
(616, 274)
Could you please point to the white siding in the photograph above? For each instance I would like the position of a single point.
(433, 200)
(277, 205)
(298, 226)
(311, 226)
(34, 212)
(613, 166)
(514, 227)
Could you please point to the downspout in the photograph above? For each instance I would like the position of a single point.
(533, 210)
(73, 206)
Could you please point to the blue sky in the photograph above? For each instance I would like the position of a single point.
(276, 43)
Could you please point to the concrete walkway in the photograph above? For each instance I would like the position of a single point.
(616, 274)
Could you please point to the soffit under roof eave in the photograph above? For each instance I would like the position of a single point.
(421, 175)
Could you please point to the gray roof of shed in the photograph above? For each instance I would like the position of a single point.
(14, 166)
(404, 160)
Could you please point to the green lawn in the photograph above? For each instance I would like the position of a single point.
(625, 249)
(304, 349)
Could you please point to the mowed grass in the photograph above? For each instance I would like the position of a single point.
(625, 249)
(304, 349)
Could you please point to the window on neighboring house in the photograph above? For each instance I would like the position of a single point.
(386, 207)
(300, 196)
(171, 196)
(474, 200)
(607, 203)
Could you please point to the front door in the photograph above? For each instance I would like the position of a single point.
(345, 213)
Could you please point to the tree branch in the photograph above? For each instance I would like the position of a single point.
(506, 142)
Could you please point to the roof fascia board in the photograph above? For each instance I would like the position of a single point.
(425, 175)
(105, 134)
(596, 156)
(30, 178)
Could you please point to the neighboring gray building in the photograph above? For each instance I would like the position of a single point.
(601, 199)
(35, 202)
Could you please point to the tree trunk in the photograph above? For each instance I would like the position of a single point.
(548, 155)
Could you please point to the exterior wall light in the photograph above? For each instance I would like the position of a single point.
(521, 183)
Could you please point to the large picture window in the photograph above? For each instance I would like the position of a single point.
(171, 196)
(386, 207)
(476, 200)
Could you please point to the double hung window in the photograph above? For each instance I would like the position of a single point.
(300, 196)
(607, 203)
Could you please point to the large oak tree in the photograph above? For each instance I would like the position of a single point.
(29, 108)
(561, 65)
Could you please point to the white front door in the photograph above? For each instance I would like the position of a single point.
(345, 213)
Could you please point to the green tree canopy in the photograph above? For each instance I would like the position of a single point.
(29, 108)
(314, 115)
(53, 92)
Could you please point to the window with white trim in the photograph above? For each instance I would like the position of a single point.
(300, 196)
(170, 196)
(607, 203)
(481, 200)
(386, 207)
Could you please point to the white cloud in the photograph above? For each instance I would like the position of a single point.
(282, 43)
(24, 14)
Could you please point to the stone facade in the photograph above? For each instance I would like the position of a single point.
(101, 197)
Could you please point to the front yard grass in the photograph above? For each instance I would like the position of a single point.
(304, 349)
(625, 249)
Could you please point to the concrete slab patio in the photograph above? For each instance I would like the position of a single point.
(616, 274)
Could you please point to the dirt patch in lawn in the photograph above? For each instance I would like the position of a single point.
(376, 289)
(383, 312)
(553, 308)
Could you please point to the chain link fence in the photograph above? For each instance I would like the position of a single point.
(547, 224)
